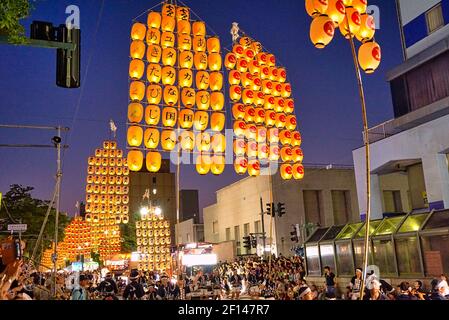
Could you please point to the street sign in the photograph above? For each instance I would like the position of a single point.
(17, 227)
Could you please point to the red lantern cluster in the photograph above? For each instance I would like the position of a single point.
(77, 239)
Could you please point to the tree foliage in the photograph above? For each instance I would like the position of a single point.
(11, 12)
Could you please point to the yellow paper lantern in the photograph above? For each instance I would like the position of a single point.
(248, 96)
(213, 45)
(238, 111)
(261, 134)
(169, 117)
(257, 47)
(336, 11)
(137, 91)
(218, 165)
(137, 49)
(242, 65)
(188, 96)
(154, 72)
(169, 57)
(138, 31)
(230, 61)
(135, 112)
(259, 98)
(168, 10)
(263, 151)
(369, 56)
(200, 60)
(154, 94)
(296, 139)
(152, 115)
(239, 147)
(153, 161)
(218, 142)
(360, 5)
(279, 104)
(264, 72)
(203, 164)
(202, 100)
(234, 77)
(184, 42)
(203, 142)
(214, 61)
(240, 165)
(168, 76)
(185, 78)
(249, 54)
(168, 24)
(271, 60)
(187, 140)
(135, 160)
(322, 31)
(254, 168)
(245, 42)
(259, 117)
(286, 172)
(217, 121)
(182, 13)
(269, 102)
(298, 155)
(186, 118)
(262, 58)
(201, 120)
(202, 80)
(199, 28)
(316, 7)
(286, 90)
(367, 28)
(184, 27)
(199, 44)
(285, 137)
(171, 95)
(350, 27)
(186, 59)
(291, 122)
(154, 53)
(298, 171)
(238, 50)
(251, 132)
(270, 118)
(267, 87)
(217, 101)
(246, 79)
(250, 113)
(281, 119)
(168, 140)
(151, 138)
(216, 81)
(154, 20)
(289, 106)
(286, 154)
(153, 36)
(254, 67)
(239, 128)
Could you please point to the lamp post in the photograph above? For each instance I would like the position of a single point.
(353, 21)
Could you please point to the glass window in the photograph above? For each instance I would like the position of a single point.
(413, 223)
(318, 235)
(344, 258)
(388, 226)
(349, 231)
(332, 233)
(436, 255)
(439, 219)
(228, 234)
(407, 254)
(434, 19)
(257, 227)
(313, 261)
(246, 229)
(372, 227)
(359, 251)
(215, 227)
(384, 256)
(327, 255)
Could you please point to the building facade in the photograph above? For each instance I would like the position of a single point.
(189, 206)
(409, 154)
(326, 196)
(189, 232)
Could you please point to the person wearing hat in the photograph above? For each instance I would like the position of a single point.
(304, 293)
(108, 285)
(80, 292)
(134, 290)
(163, 290)
(355, 285)
(375, 292)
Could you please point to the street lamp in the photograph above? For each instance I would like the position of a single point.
(144, 211)
(158, 211)
(353, 20)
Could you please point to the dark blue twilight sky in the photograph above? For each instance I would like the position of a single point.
(323, 82)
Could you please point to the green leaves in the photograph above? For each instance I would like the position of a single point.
(11, 12)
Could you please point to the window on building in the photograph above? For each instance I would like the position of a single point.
(313, 207)
(246, 229)
(237, 235)
(393, 201)
(215, 227)
(407, 253)
(341, 204)
(434, 19)
(228, 234)
(257, 227)
(189, 239)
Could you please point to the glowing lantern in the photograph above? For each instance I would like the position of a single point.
(203, 142)
(154, 20)
(316, 7)
(242, 65)
(186, 59)
(251, 132)
(263, 151)
(234, 77)
(202, 80)
(367, 28)
(167, 40)
(275, 153)
(261, 134)
(238, 50)
(154, 53)
(286, 154)
(185, 78)
(169, 57)
(168, 24)
(137, 49)
(369, 56)
(286, 172)
(201, 120)
(182, 13)
(168, 75)
(291, 122)
(281, 119)
(202, 100)
(184, 42)
(249, 54)
(246, 79)
(168, 10)
(298, 155)
(154, 94)
(298, 171)
(256, 84)
(137, 91)
(168, 140)
(239, 147)
(322, 31)
(153, 36)
(171, 95)
(138, 31)
(269, 102)
(279, 104)
(271, 60)
(336, 11)
(248, 96)
(199, 44)
(250, 113)
(218, 165)
(282, 75)
(200, 60)
(267, 87)
(184, 27)
(214, 61)
(239, 128)
(218, 143)
(135, 112)
(254, 168)
(360, 5)
(265, 72)
(289, 106)
(188, 97)
(262, 58)
(217, 101)
(286, 90)
(270, 118)
(230, 61)
(352, 28)
(187, 140)
(238, 111)
(216, 81)
(217, 121)
(152, 115)
(203, 164)
(169, 117)
(213, 45)
(240, 165)
(135, 160)
(154, 72)
(235, 93)
(259, 99)
(186, 118)
(259, 117)
(245, 42)
(199, 28)
(285, 137)
(257, 47)
(296, 140)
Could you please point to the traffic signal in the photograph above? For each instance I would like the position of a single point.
(254, 242)
(68, 62)
(295, 233)
(247, 242)
(271, 210)
(281, 209)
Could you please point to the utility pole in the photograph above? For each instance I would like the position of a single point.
(57, 142)
(263, 226)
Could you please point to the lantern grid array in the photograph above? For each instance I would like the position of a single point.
(176, 95)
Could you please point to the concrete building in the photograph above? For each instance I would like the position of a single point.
(409, 154)
(188, 206)
(325, 197)
(189, 232)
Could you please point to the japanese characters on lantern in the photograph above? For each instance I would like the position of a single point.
(265, 126)
(175, 92)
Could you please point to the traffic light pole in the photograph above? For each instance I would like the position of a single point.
(263, 227)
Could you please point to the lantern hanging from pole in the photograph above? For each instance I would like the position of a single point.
(184, 42)
(235, 93)
(238, 51)
(285, 137)
(254, 168)
(251, 132)
(298, 171)
(188, 96)
(199, 28)
(238, 111)
(218, 165)
(289, 106)
(296, 139)
(336, 11)
(135, 160)
(298, 155)
(203, 100)
(138, 31)
(241, 165)
(168, 24)
(214, 61)
(135, 136)
(199, 44)
(291, 122)
(184, 27)
(201, 120)
(152, 115)
(169, 117)
(286, 171)
(154, 53)
(203, 164)
(234, 77)
(369, 56)
(262, 134)
(186, 59)
(154, 20)
(137, 91)
(239, 128)
(230, 61)
(316, 7)
(250, 113)
(259, 99)
(367, 28)
(263, 151)
(360, 5)
(217, 101)
(281, 119)
(187, 140)
(213, 45)
(154, 94)
(270, 118)
(217, 121)
(200, 60)
(168, 140)
(218, 143)
(202, 80)
(186, 118)
(275, 153)
(136, 69)
(203, 142)
(137, 49)
(185, 78)
(322, 31)
(153, 36)
(351, 24)
(135, 112)
(286, 154)
(239, 147)
(151, 138)
(153, 161)
(216, 81)
(171, 95)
